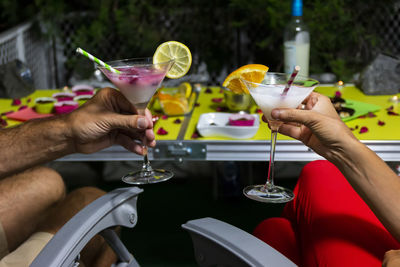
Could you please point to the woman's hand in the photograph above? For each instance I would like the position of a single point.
(318, 126)
(391, 258)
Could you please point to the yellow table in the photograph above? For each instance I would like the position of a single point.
(179, 143)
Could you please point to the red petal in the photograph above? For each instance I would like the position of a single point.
(164, 117)
(259, 111)
(390, 108)
(162, 131)
(381, 123)
(371, 115)
(362, 117)
(16, 102)
(338, 94)
(363, 130)
(217, 100)
(392, 113)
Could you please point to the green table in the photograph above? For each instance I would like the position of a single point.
(180, 143)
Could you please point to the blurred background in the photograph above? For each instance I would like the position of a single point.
(222, 34)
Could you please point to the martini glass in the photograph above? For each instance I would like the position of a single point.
(269, 95)
(138, 80)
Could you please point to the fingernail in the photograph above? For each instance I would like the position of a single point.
(141, 123)
(275, 113)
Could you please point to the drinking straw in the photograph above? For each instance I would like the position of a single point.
(95, 59)
(291, 79)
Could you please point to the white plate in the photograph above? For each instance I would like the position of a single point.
(216, 124)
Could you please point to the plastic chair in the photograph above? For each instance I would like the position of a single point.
(215, 243)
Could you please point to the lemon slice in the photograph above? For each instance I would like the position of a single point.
(176, 51)
(186, 88)
(251, 72)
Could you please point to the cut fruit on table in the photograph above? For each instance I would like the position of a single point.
(173, 50)
(251, 72)
(185, 87)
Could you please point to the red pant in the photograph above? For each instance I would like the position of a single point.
(327, 224)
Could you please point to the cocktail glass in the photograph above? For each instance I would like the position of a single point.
(269, 95)
(138, 80)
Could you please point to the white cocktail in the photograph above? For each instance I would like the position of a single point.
(269, 95)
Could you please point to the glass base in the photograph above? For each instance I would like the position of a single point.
(276, 194)
(147, 177)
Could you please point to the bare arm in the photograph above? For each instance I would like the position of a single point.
(322, 130)
(105, 120)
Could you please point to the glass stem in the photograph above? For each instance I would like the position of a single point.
(270, 180)
(146, 162)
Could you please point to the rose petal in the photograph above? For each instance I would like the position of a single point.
(221, 109)
(338, 94)
(177, 121)
(363, 130)
(6, 113)
(258, 110)
(16, 102)
(381, 123)
(208, 91)
(371, 115)
(164, 117)
(217, 100)
(195, 134)
(392, 113)
(3, 123)
(22, 107)
(362, 117)
(390, 108)
(161, 131)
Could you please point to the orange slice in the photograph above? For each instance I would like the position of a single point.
(251, 72)
(174, 107)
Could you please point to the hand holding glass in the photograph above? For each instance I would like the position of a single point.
(269, 95)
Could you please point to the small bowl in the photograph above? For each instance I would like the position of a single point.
(237, 102)
(44, 105)
(83, 89)
(217, 125)
(65, 107)
(63, 96)
(81, 99)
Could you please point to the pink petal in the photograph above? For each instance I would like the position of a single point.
(362, 117)
(381, 123)
(371, 115)
(3, 123)
(164, 117)
(16, 102)
(338, 94)
(217, 100)
(363, 130)
(392, 113)
(162, 131)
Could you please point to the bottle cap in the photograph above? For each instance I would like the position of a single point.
(297, 8)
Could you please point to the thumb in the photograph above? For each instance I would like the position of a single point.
(129, 122)
(305, 117)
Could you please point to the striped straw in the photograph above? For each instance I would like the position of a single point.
(291, 79)
(95, 59)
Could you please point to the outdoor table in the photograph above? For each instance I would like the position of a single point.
(180, 143)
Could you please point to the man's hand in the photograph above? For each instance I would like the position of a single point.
(391, 258)
(318, 126)
(107, 119)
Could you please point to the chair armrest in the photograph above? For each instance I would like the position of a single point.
(217, 243)
(116, 208)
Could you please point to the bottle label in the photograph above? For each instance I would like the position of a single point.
(296, 54)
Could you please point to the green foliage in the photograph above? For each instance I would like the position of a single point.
(221, 33)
